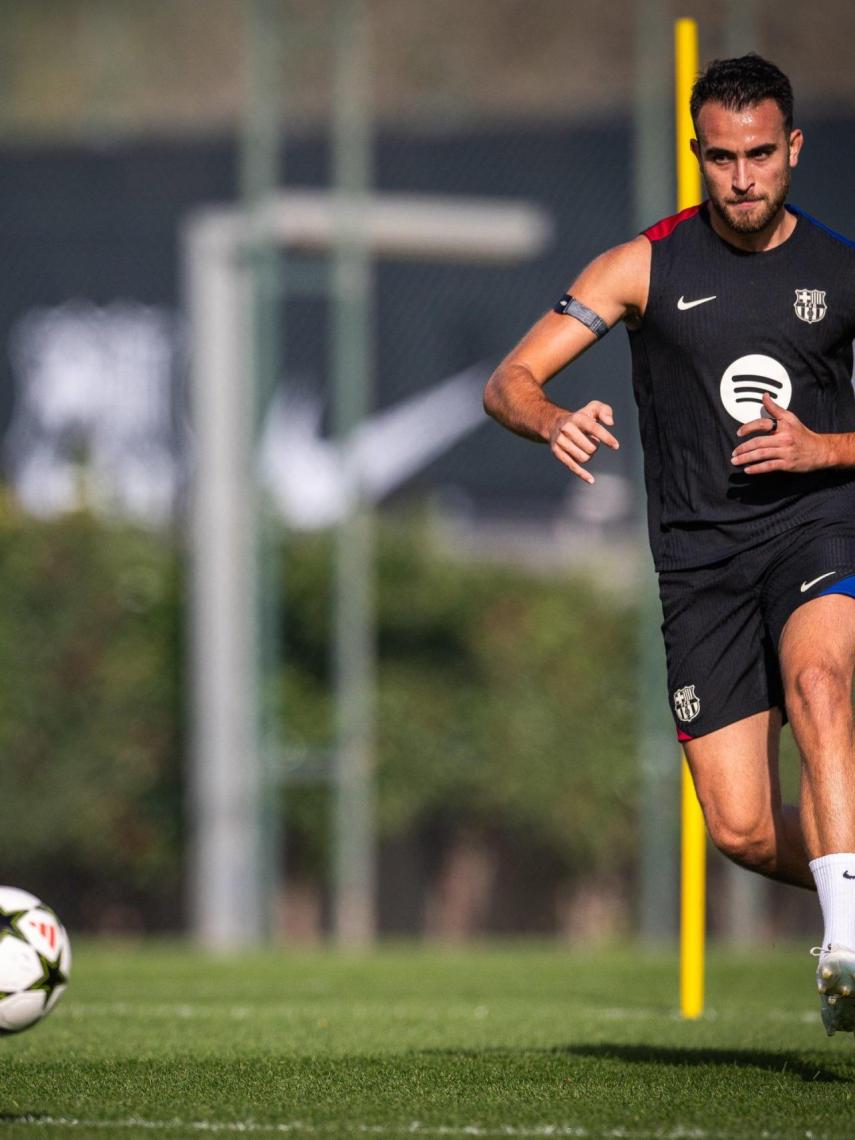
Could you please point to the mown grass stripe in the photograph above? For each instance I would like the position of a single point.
(355, 1011)
(414, 1128)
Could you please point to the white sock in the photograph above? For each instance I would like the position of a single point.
(835, 885)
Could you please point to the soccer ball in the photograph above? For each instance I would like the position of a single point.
(35, 960)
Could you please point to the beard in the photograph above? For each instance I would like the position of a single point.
(768, 207)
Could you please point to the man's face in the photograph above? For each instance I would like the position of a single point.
(746, 159)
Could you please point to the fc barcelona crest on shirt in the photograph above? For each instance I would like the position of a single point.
(686, 704)
(810, 305)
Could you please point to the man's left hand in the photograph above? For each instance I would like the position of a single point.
(786, 444)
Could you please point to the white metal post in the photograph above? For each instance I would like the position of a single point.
(225, 768)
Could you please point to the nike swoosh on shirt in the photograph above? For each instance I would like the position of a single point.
(807, 585)
(681, 304)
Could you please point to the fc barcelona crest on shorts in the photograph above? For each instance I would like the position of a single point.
(686, 704)
(810, 305)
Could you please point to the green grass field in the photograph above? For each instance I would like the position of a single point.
(512, 1040)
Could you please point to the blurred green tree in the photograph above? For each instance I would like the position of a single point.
(506, 698)
(505, 708)
(90, 714)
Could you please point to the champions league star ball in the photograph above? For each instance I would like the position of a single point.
(35, 960)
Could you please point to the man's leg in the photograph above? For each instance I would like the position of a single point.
(735, 770)
(817, 654)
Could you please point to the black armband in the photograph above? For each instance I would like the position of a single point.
(570, 307)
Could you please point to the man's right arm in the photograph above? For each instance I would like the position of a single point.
(614, 286)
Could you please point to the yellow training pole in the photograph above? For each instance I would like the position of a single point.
(693, 897)
(693, 846)
(685, 73)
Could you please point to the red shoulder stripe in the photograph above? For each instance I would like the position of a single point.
(668, 225)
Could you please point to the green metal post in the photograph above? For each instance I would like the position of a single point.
(740, 27)
(260, 156)
(659, 769)
(354, 652)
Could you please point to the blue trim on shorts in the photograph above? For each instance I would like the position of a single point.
(844, 586)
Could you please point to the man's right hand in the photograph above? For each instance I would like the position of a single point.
(614, 286)
(575, 438)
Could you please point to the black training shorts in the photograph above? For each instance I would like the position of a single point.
(723, 622)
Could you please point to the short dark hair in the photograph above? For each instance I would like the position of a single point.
(740, 83)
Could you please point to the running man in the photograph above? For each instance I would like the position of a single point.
(741, 317)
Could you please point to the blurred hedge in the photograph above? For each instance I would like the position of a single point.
(90, 717)
(505, 698)
(505, 701)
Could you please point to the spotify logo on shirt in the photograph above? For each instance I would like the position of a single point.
(745, 381)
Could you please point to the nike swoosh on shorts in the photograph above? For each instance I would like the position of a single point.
(805, 586)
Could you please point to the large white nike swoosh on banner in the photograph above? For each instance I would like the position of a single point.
(306, 473)
(681, 304)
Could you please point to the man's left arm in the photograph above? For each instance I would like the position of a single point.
(789, 445)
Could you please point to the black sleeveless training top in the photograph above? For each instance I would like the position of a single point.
(721, 327)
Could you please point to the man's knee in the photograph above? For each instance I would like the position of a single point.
(751, 845)
(816, 689)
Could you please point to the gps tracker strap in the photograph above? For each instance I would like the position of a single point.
(570, 307)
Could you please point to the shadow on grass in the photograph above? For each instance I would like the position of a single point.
(787, 1063)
